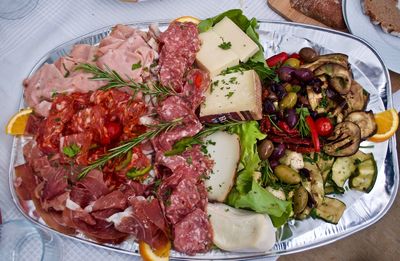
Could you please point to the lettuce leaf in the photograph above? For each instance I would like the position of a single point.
(257, 61)
(248, 193)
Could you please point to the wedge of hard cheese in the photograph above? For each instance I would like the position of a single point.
(241, 43)
(240, 230)
(211, 57)
(234, 96)
(224, 149)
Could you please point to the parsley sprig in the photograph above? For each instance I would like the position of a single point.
(302, 125)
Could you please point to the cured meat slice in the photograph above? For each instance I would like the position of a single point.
(197, 82)
(25, 182)
(182, 201)
(193, 234)
(113, 200)
(146, 222)
(180, 43)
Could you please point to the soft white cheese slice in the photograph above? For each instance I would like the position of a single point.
(211, 57)
(240, 230)
(234, 96)
(242, 45)
(224, 149)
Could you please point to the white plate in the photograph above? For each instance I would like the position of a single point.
(359, 24)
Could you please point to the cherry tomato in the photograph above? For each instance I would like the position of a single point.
(296, 56)
(324, 127)
(113, 130)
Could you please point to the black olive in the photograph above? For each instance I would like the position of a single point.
(268, 107)
(304, 173)
(308, 54)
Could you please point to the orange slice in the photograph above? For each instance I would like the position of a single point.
(148, 254)
(16, 125)
(387, 122)
(188, 19)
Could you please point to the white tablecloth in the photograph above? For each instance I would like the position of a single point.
(23, 42)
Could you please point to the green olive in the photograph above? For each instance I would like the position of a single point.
(292, 62)
(308, 54)
(300, 200)
(292, 88)
(289, 101)
(287, 174)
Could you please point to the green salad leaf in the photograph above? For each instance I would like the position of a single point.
(257, 61)
(248, 193)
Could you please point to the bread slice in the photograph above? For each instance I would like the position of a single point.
(385, 13)
(328, 12)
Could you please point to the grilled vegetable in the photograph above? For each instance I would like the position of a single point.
(331, 210)
(357, 98)
(315, 184)
(300, 199)
(342, 169)
(345, 140)
(335, 58)
(365, 175)
(339, 76)
(365, 120)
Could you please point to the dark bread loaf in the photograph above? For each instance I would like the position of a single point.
(328, 12)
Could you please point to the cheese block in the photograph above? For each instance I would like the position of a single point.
(224, 150)
(211, 57)
(242, 44)
(240, 230)
(234, 96)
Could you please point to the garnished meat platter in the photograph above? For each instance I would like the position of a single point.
(363, 209)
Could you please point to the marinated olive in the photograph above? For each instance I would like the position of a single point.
(273, 163)
(308, 54)
(265, 149)
(303, 74)
(300, 199)
(292, 62)
(278, 152)
(289, 101)
(287, 174)
(268, 107)
(292, 118)
(285, 73)
(272, 97)
(288, 87)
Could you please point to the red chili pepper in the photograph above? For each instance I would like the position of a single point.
(198, 79)
(314, 133)
(277, 59)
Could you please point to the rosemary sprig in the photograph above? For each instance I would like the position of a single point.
(114, 80)
(209, 129)
(128, 145)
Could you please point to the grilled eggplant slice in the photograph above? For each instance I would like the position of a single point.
(336, 58)
(339, 77)
(365, 120)
(357, 98)
(345, 140)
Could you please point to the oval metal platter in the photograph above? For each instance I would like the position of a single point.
(362, 209)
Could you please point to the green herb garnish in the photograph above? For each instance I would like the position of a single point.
(134, 173)
(136, 65)
(225, 45)
(72, 150)
(302, 125)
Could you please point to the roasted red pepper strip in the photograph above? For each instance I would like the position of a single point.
(314, 133)
(277, 59)
(296, 56)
